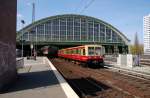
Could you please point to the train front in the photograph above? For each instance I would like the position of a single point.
(95, 55)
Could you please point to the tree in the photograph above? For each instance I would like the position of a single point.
(136, 44)
(133, 49)
(136, 48)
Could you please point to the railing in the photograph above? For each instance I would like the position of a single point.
(19, 63)
(110, 59)
(145, 60)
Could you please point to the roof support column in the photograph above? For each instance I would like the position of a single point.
(44, 33)
(66, 29)
(73, 28)
(51, 30)
(105, 33)
(87, 29)
(99, 36)
(59, 29)
(80, 29)
(93, 31)
(111, 35)
(28, 35)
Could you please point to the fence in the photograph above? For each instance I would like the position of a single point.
(19, 63)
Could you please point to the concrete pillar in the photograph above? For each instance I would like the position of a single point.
(130, 61)
(7, 42)
(122, 60)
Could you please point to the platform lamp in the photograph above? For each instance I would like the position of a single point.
(23, 22)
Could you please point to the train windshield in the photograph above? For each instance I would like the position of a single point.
(97, 50)
(94, 51)
(91, 51)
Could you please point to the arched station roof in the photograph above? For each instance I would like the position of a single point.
(112, 31)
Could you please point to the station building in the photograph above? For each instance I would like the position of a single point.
(74, 30)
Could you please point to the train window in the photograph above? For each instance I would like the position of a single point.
(74, 51)
(71, 51)
(79, 51)
(97, 50)
(91, 51)
(68, 51)
(83, 51)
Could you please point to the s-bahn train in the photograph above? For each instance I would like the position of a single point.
(90, 55)
(49, 51)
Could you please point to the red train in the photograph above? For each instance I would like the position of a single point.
(89, 54)
(49, 51)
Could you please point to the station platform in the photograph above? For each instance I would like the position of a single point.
(144, 69)
(39, 79)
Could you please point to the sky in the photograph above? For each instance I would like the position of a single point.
(125, 15)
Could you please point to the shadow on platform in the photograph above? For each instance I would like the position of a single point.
(87, 86)
(33, 80)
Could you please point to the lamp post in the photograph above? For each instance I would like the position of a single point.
(23, 22)
(32, 40)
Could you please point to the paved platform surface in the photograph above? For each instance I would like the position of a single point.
(142, 68)
(37, 81)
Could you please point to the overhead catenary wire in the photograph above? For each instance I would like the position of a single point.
(79, 5)
(86, 6)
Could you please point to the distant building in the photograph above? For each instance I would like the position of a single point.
(146, 28)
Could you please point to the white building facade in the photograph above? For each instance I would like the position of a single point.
(146, 30)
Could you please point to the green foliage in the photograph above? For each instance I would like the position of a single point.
(136, 48)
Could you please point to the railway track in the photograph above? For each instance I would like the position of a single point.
(134, 83)
(129, 72)
(85, 87)
(120, 85)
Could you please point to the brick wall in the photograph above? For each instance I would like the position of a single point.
(7, 42)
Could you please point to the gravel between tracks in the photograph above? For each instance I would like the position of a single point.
(115, 85)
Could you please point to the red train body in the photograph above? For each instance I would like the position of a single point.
(90, 54)
(49, 51)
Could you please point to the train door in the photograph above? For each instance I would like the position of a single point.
(103, 50)
(82, 51)
(98, 51)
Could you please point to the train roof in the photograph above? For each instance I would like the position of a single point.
(81, 46)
